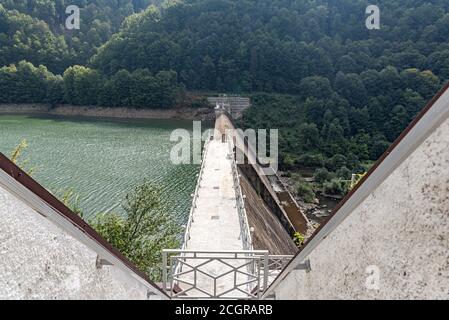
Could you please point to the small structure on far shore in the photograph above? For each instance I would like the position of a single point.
(237, 104)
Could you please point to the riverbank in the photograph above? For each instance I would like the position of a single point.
(318, 211)
(102, 112)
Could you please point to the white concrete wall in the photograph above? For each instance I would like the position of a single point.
(402, 228)
(39, 260)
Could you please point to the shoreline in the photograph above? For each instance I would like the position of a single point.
(105, 112)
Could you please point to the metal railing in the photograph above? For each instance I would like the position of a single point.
(195, 195)
(219, 274)
(245, 233)
(215, 274)
(276, 264)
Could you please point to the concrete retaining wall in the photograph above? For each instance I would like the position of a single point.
(269, 233)
(263, 191)
(395, 244)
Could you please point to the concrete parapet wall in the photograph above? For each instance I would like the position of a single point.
(40, 260)
(285, 209)
(269, 233)
(262, 190)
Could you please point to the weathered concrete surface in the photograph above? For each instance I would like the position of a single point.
(402, 229)
(269, 234)
(39, 260)
(216, 223)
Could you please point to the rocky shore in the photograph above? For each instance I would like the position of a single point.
(318, 211)
(123, 113)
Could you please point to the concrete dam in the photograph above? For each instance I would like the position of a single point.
(237, 225)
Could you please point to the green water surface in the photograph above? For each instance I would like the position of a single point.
(101, 160)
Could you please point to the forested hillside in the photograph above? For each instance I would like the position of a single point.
(35, 30)
(339, 93)
(50, 62)
(353, 90)
(271, 45)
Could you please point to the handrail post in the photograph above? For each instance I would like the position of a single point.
(245, 233)
(265, 271)
(164, 270)
(195, 196)
(259, 289)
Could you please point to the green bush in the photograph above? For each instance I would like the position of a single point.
(288, 161)
(344, 173)
(336, 187)
(298, 239)
(287, 174)
(143, 231)
(322, 174)
(337, 161)
(25, 83)
(311, 160)
(305, 191)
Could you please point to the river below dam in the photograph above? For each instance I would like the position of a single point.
(101, 160)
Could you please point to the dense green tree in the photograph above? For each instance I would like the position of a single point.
(81, 85)
(143, 232)
(261, 40)
(315, 87)
(26, 83)
(84, 86)
(398, 121)
(322, 174)
(309, 136)
(25, 38)
(55, 90)
(335, 140)
(350, 87)
(379, 145)
(335, 187)
(43, 22)
(425, 83)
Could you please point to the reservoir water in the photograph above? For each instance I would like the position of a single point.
(102, 160)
